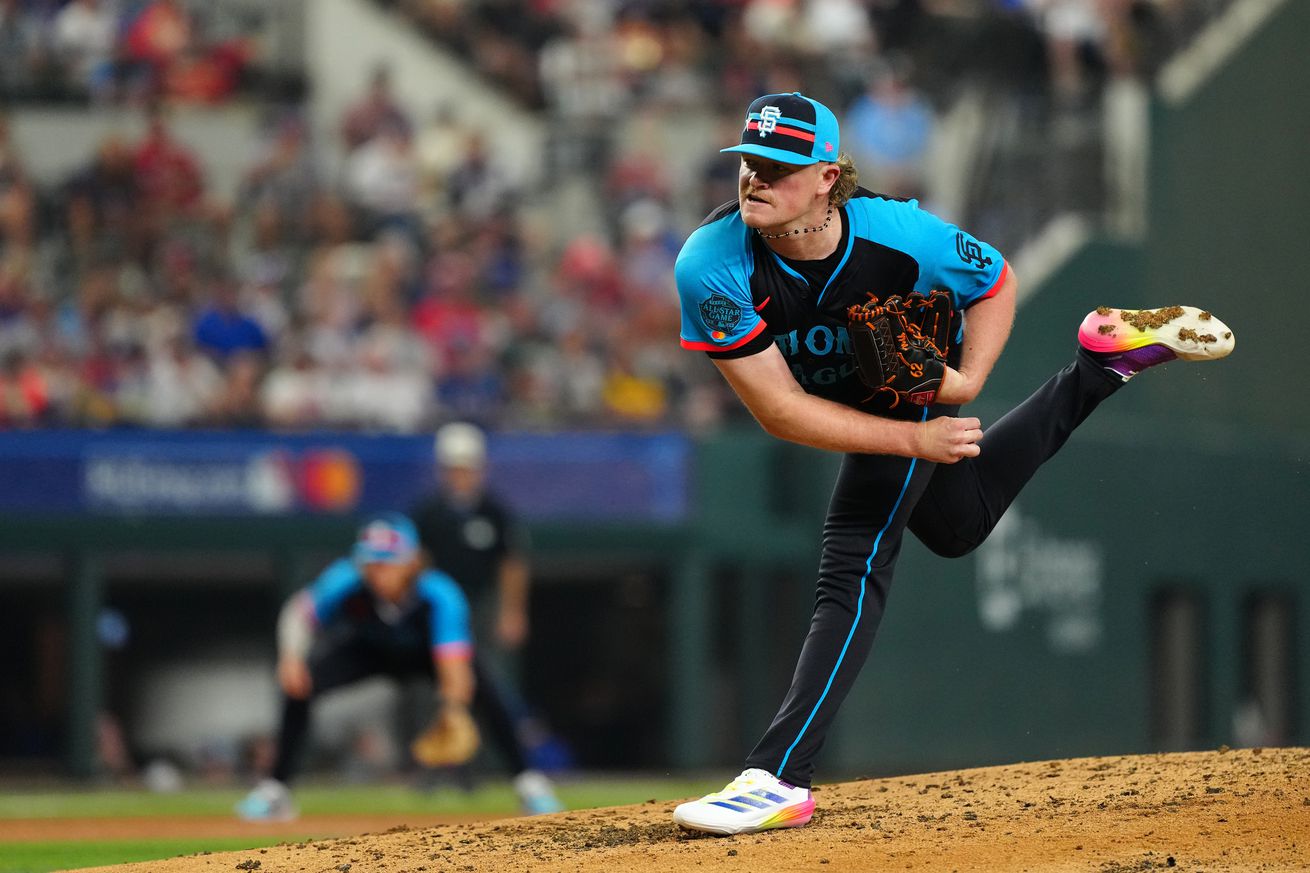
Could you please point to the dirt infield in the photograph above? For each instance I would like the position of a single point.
(1245, 810)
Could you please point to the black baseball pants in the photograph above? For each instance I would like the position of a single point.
(343, 662)
(950, 507)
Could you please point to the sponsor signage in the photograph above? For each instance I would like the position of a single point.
(560, 476)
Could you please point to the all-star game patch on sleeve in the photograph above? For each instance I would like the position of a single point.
(970, 269)
(713, 276)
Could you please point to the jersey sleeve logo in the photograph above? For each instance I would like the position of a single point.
(970, 252)
(720, 315)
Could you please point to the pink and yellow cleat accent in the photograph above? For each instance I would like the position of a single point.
(1127, 341)
(754, 801)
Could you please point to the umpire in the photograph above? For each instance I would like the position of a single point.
(473, 537)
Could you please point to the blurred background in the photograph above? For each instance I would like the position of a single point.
(252, 252)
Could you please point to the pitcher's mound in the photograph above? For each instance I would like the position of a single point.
(1244, 810)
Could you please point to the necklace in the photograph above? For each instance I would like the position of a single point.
(817, 229)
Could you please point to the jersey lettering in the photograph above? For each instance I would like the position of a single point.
(823, 375)
(819, 341)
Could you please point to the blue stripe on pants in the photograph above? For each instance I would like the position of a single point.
(859, 611)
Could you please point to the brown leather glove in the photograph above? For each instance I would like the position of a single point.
(900, 344)
(451, 739)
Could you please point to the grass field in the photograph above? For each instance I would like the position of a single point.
(174, 813)
(37, 857)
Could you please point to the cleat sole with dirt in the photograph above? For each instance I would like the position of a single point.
(1190, 333)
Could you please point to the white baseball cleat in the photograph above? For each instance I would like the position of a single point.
(754, 801)
(1127, 341)
(270, 800)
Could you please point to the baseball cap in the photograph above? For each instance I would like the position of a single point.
(790, 128)
(460, 444)
(390, 538)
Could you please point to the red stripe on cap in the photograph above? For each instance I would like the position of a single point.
(785, 131)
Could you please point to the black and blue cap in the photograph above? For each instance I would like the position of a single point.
(390, 538)
(790, 128)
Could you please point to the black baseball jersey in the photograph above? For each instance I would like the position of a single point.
(738, 295)
(468, 542)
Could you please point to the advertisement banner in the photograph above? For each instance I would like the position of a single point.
(620, 477)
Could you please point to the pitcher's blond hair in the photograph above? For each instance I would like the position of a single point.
(846, 183)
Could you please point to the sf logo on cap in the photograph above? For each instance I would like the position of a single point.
(769, 116)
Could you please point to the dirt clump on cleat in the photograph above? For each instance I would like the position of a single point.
(1187, 333)
(1150, 319)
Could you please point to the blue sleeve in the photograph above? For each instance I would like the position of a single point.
(713, 273)
(952, 260)
(333, 586)
(449, 610)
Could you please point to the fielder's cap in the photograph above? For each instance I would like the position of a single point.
(460, 444)
(790, 128)
(390, 538)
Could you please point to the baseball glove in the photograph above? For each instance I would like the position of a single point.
(451, 739)
(900, 345)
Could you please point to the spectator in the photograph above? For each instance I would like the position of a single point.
(438, 148)
(14, 324)
(382, 180)
(472, 385)
(183, 387)
(295, 393)
(222, 329)
(167, 170)
(1075, 32)
(631, 397)
(103, 204)
(270, 259)
(374, 112)
(448, 316)
(22, 53)
(477, 187)
(237, 404)
(384, 392)
(17, 199)
(284, 175)
(158, 36)
(24, 392)
(84, 37)
(890, 130)
(329, 304)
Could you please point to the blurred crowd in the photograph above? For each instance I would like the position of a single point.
(726, 51)
(409, 287)
(403, 291)
(127, 51)
(893, 67)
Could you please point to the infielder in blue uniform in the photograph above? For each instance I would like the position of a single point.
(380, 611)
(838, 317)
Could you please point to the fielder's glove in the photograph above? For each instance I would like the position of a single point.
(901, 343)
(451, 739)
